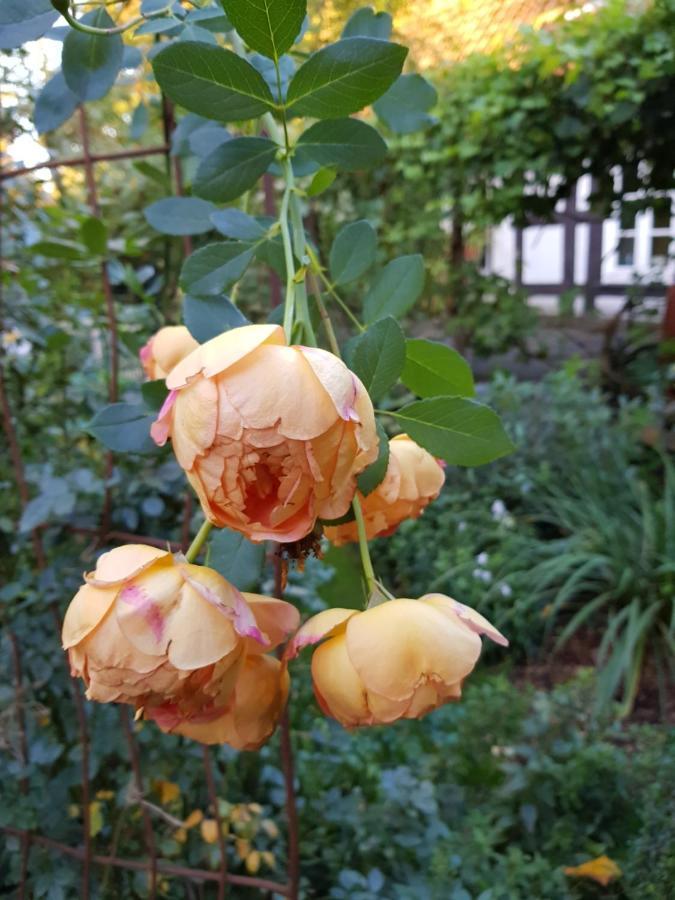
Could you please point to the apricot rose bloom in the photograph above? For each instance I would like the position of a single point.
(413, 479)
(165, 350)
(149, 629)
(249, 717)
(271, 437)
(398, 660)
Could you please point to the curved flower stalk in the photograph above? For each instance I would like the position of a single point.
(398, 660)
(413, 479)
(271, 437)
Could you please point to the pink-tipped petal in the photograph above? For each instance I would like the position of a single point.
(323, 625)
(161, 427)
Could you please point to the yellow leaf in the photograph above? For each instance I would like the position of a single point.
(209, 829)
(105, 795)
(167, 790)
(602, 869)
(95, 818)
(268, 859)
(193, 819)
(73, 810)
(270, 828)
(255, 808)
(243, 848)
(180, 836)
(253, 862)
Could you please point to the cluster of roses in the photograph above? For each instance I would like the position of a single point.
(272, 438)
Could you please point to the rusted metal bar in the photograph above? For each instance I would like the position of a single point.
(163, 868)
(148, 831)
(213, 799)
(23, 752)
(17, 464)
(287, 767)
(111, 315)
(84, 743)
(82, 160)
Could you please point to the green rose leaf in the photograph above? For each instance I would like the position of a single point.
(343, 143)
(211, 81)
(373, 476)
(24, 20)
(268, 26)
(124, 428)
(207, 317)
(55, 104)
(433, 369)
(367, 23)
(321, 182)
(353, 252)
(378, 355)
(154, 394)
(404, 108)
(236, 558)
(460, 431)
(344, 77)
(213, 269)
(396, 288)
(233, 168)
(180, 215)
(238, 225)
(91, 62)
(94, 236)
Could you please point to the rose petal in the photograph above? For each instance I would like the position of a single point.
(87, 609)
(320, 626)
(123, 563)
(401, 644)
(222, 352)
(468, 617)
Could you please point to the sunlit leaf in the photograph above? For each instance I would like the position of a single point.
(342, 78)
(211, 81)
(268, 26)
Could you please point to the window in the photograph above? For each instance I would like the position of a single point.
(626, 241)
(659, 249)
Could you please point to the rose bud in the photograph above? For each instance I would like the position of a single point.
(147, 627)
(271, 437)
(247, 720)
(165, 350)
(413, 479)
(398, 660)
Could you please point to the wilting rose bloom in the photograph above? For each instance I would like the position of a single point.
(148, 628)
(413, 479)
(271, 437)
(165, 350)
(398, 660)
(249, 717)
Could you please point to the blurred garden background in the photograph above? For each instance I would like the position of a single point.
(534, 171)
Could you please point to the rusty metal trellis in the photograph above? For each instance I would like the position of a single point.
(153, 866)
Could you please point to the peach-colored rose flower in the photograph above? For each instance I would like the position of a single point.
(400, 659)
(271, 437)
(413, 479)
(148, 627)
(165, 350)
(249, 717)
